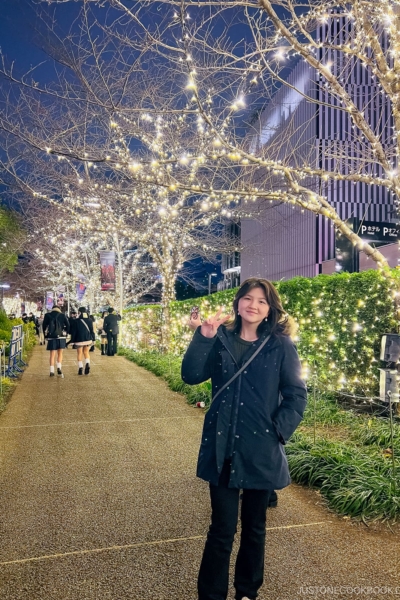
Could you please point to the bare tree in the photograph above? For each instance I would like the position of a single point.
(66, 251)
(150, 109)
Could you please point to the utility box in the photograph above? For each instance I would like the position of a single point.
(389, 385)
(390, 348)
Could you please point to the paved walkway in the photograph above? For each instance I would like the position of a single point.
(99, 499)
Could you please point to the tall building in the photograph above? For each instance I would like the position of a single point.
(286, 242)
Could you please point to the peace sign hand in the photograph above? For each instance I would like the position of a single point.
(209, 327)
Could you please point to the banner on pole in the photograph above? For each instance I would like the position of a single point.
(49, 300)
(107, 265)
(80, 291)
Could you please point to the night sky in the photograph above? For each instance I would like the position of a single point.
(20, 28)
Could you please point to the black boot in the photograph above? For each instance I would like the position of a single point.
(273, 500)
(102, 349)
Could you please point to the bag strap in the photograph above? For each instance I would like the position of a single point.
(242, 368)
(85, 324)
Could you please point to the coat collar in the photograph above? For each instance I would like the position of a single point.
(225, 337)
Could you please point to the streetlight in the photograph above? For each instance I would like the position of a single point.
(209, 281)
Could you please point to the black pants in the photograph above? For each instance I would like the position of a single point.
(249, 571)
(112, 343)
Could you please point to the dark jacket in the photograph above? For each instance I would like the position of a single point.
(82, 330)
(72, 327)
(61, 318)
(263, 406)
(110, 324)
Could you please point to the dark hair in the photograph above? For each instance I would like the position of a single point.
(278, 322)
(82, 310)
(110, 310)
(103, 314)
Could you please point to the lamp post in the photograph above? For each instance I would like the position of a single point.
(121, 283)
(209, 281)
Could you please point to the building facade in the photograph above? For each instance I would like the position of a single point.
(285, 242)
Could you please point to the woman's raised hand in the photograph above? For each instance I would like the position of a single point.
(209, 327)
(194, 323)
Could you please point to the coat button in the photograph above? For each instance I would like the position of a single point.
(267, 430)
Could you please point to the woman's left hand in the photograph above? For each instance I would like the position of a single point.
(194, 323)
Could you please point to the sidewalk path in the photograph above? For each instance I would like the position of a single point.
(99, 499)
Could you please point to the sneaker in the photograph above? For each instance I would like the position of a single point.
(51, 374)
(87, 368)
(80, 371)
(59, 372)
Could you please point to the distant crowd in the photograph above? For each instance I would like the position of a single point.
(80, 330)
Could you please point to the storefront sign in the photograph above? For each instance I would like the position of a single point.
(379, 232)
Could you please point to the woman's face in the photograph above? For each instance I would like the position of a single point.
(253, 307)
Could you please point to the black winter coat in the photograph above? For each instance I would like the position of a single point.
(264, 405)
(110, 324)
(61, 318)
(81, 333)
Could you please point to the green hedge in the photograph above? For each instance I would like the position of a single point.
(346, 456)
(6, 326)
(341, 319)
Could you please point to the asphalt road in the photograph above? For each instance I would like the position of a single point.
(99, 500)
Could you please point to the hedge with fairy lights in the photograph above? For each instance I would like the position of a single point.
(341, 319)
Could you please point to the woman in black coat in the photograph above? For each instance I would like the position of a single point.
(258, 402)
(82, 339)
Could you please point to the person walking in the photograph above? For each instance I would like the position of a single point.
(258, 402)
(102, 333)
(82, 339)
(111, 329)
(55, 328)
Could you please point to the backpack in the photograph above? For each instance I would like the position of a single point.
(54, 329)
